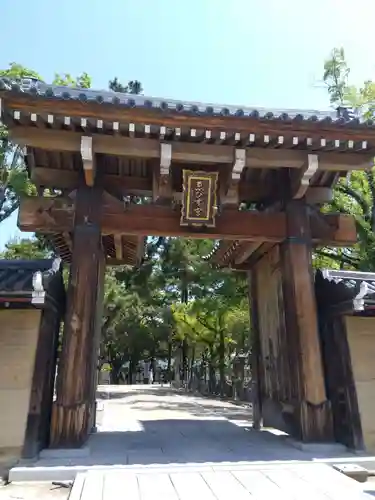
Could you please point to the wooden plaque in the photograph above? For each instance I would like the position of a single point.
(199, 198)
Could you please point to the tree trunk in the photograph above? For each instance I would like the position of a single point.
(192, 367)
(222, 362)
(115, 374)
(169, 366)
(130, 374)
(185, 365)
(2, 195)
(211, 371)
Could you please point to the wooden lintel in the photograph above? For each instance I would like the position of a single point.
(302, 182)
(118, 246)
(62, 140)
(88, 160)
(56, 216)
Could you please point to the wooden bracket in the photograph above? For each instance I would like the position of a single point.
(231, 196)
(88, 160)
(239, 164)
(162, 181)
(118, 246)
(305, 176)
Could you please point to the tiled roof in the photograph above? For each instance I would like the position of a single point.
(341, 116)
(341, 286)
(17, 276)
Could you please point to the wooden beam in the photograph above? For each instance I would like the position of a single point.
(62, 140)
(250, 252)
(56, 216)
(23, 102)
(70, 179)
(245, 252)
(88, 160)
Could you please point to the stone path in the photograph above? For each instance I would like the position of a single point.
(156, 425)
(158, 432)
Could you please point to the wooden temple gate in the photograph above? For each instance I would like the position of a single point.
(113, 168)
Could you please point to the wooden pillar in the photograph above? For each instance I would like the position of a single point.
(255, 350)
(40, 404)
(314, 413)
(73, 410)
(98, 334)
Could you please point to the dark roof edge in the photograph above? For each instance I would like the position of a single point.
(362, 284)
(341, 116)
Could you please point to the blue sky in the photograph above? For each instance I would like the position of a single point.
(248, 52)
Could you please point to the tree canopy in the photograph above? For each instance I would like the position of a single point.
(354, 195)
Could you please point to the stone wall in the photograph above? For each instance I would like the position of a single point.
(18, 340)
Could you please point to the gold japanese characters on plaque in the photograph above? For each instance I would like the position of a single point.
(199, 198)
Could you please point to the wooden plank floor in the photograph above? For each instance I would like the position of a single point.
(294, 482)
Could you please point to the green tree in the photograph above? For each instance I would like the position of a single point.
(13, 177)
(14, 180)
(25, 248)
(17, 71)
(82, 81)
(132, 87)
(354, 195)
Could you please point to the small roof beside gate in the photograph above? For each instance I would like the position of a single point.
(345, 292)
(31, 283)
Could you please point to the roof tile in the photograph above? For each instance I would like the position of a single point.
(342, 116)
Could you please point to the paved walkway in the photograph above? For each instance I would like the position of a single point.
(168, 435)
(153, 426)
